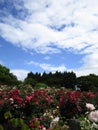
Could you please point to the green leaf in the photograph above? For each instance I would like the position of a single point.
(15, 121)
(87, 123)
(7, 115)
(25, 127)
(21, 121)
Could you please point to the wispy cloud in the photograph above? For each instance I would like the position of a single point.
(48, 23)
(52, 68)
(48, 67)
(48, 26)
(47, 57)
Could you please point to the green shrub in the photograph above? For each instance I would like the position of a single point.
(40, 85)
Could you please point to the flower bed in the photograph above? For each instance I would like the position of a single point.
(42, 109)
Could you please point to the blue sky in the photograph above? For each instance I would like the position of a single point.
(49, 35)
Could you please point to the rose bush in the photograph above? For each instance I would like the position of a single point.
(40, 108)
(74, 103)
(90, 120)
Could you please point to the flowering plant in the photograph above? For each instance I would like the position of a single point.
(46, 109)
(90, 121)
(72, 104)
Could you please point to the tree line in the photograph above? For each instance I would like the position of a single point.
(57, 79)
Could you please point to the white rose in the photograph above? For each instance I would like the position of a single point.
(90, 106)
(93, 116)
(54, 122)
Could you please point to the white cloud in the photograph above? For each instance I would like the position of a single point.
(39, 30)
(51, 25)
(48, 67)
(52, 68)
(90, 65)
(21, 74)
(47, 57)
(86, 71)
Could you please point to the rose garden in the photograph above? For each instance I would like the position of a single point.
(24, 108)
(41, 103)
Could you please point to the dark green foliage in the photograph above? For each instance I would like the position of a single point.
(7, 78)
(88, 83)
(30, 81)
(40, 85)
(57, 79)
(65, 79)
